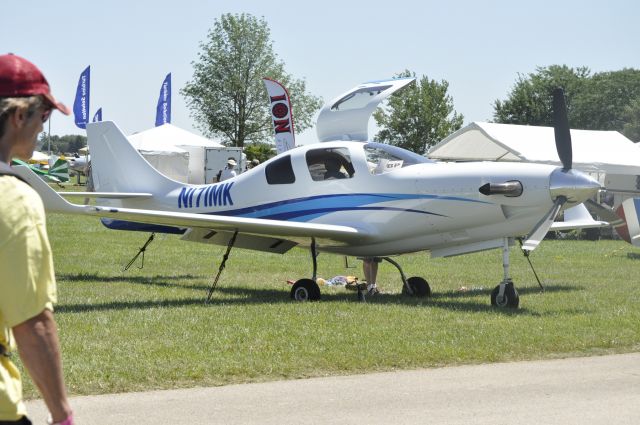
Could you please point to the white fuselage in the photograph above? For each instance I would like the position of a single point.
(418, 207)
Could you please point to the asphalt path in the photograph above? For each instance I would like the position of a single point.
(588, 390)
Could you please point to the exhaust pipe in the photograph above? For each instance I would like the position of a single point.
(510, 188)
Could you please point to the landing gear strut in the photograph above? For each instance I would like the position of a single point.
(505, 294)
(414, 286)
(308, 289)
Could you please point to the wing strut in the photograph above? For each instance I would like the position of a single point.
(222, 266)
(141, 251)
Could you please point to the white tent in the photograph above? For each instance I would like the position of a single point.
(593, 151)
(173, 150)
(170, 160)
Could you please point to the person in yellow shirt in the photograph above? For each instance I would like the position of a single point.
(27, 280)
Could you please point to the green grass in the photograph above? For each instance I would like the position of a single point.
(150, 329)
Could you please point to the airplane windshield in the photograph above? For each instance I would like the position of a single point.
(358, 99)
(382, 158)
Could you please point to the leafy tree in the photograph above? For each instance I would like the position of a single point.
(631, 118)
(70, 143)
(259, 151)
(227, 97)
(602, 101)
(530, 99)
(418, 116)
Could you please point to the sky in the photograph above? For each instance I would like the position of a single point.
(478, 47)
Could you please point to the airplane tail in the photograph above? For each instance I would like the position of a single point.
(117, 166)
(629, 211)
(60, 170)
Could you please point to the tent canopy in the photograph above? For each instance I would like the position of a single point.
(597, 151)
(174, 152)
(166, 136)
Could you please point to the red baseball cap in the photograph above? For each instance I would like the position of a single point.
(21, 78)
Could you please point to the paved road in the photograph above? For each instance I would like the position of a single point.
(591, 390)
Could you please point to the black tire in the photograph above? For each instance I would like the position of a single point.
(419, 286)
(510, 299)
(305, 290)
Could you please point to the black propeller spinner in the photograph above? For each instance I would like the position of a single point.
(561, 129)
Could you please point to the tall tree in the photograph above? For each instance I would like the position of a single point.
(227, 97)
(602, 101)
(418, 116)
(530, 99)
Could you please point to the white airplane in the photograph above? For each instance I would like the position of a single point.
(345, 196)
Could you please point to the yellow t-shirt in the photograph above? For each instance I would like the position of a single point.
(27, 280)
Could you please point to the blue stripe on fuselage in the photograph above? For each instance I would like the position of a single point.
(305, 209)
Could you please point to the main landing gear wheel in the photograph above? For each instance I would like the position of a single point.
(305, 290)
(509, 298)
(419, 286)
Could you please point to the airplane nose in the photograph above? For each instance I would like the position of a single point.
(574, 185)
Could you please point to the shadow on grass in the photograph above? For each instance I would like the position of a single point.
(158, 280)
(633, 256)
(521, 291)
(253, 296)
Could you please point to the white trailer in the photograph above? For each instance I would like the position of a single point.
(216, 160)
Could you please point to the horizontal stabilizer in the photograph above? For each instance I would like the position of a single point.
(604, 212)
(109, 195)
(55, 203)
(577, 217)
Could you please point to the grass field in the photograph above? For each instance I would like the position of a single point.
(150, 329)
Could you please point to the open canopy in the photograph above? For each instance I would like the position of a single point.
(597, 151)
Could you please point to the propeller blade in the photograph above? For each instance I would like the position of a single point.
(540, 230)
(561, 129)
(604, 212)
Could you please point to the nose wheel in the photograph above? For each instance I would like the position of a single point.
(505, 295)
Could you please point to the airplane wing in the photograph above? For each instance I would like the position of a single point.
(55, 203)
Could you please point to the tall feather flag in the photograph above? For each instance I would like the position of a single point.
(163, 110)
(98, 116)
(281, 115)
(81, 103)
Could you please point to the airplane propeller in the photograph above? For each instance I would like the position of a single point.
(561, 129)
(563, 146)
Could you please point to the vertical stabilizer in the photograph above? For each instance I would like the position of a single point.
(117, 166)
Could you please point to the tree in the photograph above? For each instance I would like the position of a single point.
(602, 101)
(530, 99)
(227, 97)
(259, 151)
(631, 118)
(418, 116)
(70, 143)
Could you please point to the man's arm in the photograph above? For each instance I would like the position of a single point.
(39, 349)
